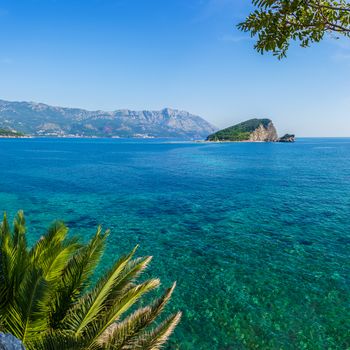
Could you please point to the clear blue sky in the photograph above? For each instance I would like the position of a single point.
(185, 54)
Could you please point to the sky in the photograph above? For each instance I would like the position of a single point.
(183, 54)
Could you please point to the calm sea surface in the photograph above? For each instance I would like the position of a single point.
(257, 235)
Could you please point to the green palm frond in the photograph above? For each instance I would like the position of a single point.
(19, 230)
(88, 257)
(47, 299)
(121, 334)
(91, 304)
(7, 258)
(57, 340)
(54, 236)
(5, 232)
(12, 320)
(20, 247)
(76, 275)
(154, 339)
(57, 261)
(27, 315)
(125, 281)
(13, 260)
(96, 329)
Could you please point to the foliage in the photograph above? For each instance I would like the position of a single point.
(277, 22)
(10, 133)
(239, 132)
(48, 302)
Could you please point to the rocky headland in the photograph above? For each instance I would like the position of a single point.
(253, 130)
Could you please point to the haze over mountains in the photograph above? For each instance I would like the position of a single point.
(39, 119)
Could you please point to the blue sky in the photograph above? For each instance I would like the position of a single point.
(185, 54)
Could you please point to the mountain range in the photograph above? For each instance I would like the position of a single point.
(40, 119)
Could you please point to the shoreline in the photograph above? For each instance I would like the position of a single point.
(127, 138)
(15, 137)
(227, 141)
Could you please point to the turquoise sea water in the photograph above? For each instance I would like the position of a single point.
(257, 235)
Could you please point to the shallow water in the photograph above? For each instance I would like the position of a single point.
(257, 235)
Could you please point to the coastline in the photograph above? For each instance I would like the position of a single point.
(227, 141)
(131, 138)
(15, 137)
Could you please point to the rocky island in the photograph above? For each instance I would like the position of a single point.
(253, 130)
(287, 138)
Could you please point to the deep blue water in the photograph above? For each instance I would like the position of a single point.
(257, 235)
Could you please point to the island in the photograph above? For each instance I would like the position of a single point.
(253, 130)
(287, 138)
(4, 133)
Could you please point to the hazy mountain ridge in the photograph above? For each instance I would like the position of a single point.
(45, 120)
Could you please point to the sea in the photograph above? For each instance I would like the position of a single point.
(257, 235)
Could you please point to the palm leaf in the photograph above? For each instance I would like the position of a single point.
(75, 276)
(13, 260)
(46, 299)
(97, 328)
(121, 334)
(55, 265)
(129, 274)
(6, 262)
(55, 235)
(57, 340)
(29, 312)
(19, 230)
(156, 338)
(89, 306)
(5, 233)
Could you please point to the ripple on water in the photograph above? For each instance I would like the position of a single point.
(256, 235)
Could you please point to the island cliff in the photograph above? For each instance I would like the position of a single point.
(253, 130)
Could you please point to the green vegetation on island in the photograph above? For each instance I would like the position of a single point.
(10, 133)
(239, 132)
(47, 299)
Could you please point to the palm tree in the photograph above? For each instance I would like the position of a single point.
(48, 302)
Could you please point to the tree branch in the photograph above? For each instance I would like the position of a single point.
(328, 7)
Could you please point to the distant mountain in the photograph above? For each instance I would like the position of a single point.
(251, 130)
(43, 120)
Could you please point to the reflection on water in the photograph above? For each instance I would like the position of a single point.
(257, 235)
